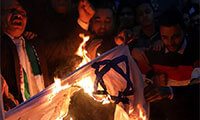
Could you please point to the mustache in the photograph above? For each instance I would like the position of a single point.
(16, 17)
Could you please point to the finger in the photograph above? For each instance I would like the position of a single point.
(29, 35)
(154, 98)
(130, 40)
(32, 36)
(89, 8)
(25, 34)
(96, 42)
(149, 96)
(98, 45)
(149, 93)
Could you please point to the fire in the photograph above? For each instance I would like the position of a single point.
(142, 115)
(81, 50)
(87, 85)
(57, 87)
(86, 82)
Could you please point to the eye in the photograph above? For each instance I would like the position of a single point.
(12, 10)
(23, 13)
(108, 20)
(97, 20)
(19, 11)
(176, 36)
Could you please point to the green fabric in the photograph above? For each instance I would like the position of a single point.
(26, 88)
(33, 59)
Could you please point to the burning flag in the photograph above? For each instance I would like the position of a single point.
(113, 77)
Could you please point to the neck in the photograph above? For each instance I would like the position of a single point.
(149, 30)
(12, 35)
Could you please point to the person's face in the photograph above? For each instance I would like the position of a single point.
(144, 14)
(102, 22)
(13, 18)
(126, 17)
(61, 6)
(172, 37)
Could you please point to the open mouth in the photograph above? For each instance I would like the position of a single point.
(17, 20)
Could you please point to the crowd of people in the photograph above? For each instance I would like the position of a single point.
(39, 40)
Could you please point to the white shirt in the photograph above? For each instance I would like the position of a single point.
(36, 83)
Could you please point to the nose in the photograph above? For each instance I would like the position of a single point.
(171, 41)
(102, 24)
(19, 13)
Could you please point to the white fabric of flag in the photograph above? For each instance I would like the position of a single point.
(114, 73)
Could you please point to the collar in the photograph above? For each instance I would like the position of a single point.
(11, 37)
(17, 40)
(182, 49)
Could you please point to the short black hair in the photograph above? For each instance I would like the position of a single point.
(138, 3)
(103, 4)
(124, 4)
(171, 17)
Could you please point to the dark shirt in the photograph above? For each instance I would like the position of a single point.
(145, 41)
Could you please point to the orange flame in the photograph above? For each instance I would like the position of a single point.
(81, 50)
(86, 82)
(57, 87)
(142, 115)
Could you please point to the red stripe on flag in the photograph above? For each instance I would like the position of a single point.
(179, 73)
